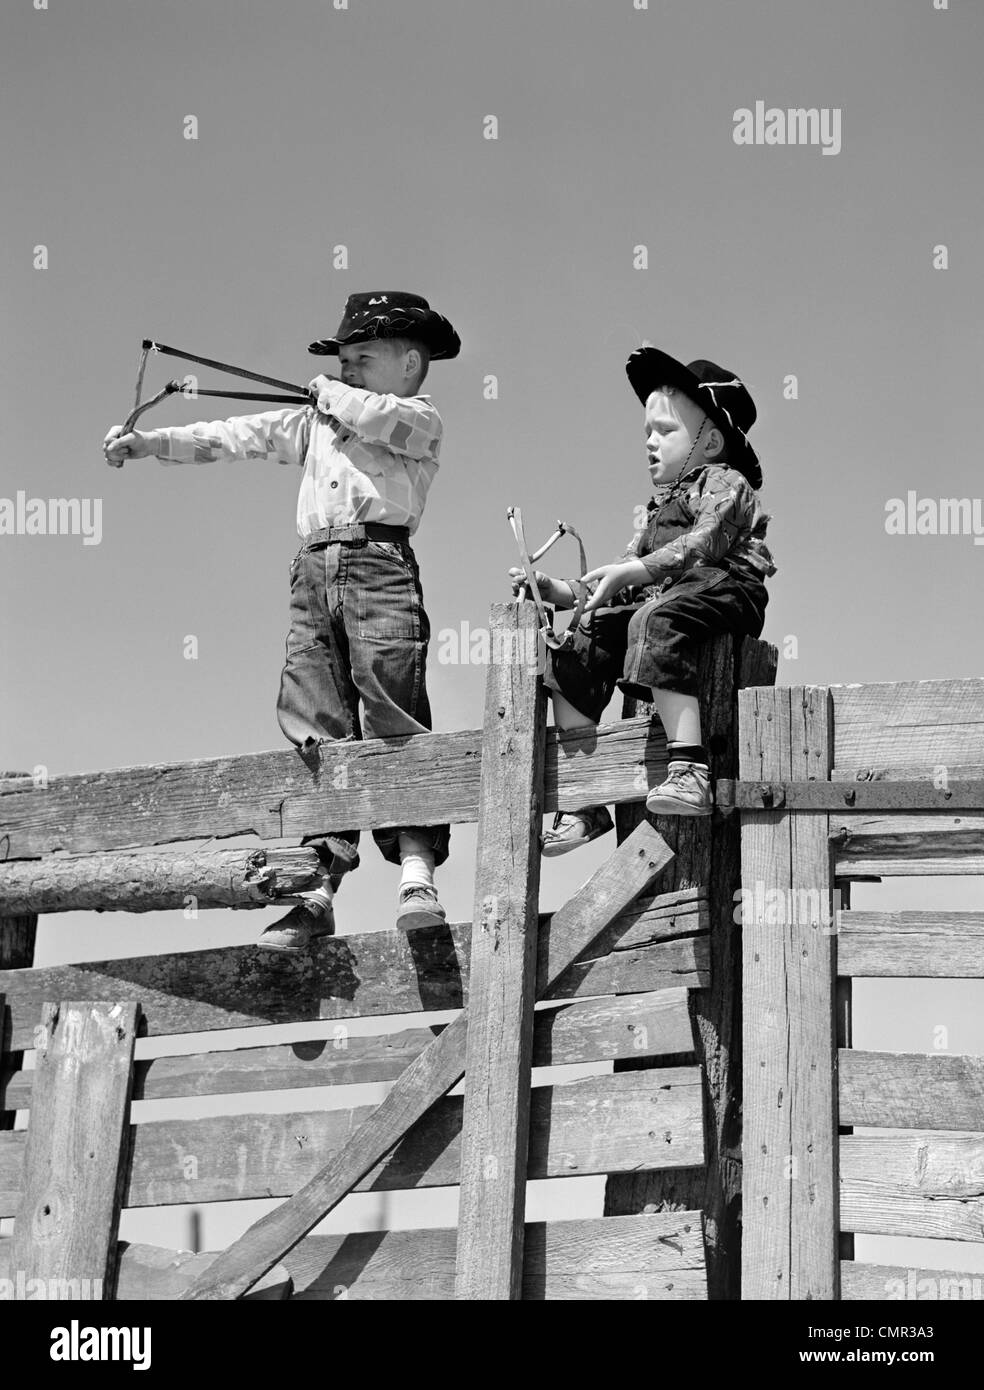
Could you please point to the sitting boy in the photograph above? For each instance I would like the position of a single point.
(695, 570)
(358, 629)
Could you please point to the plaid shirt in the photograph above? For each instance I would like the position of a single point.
(372, 459)
(728, 522)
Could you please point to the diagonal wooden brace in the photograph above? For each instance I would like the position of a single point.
(619, 881)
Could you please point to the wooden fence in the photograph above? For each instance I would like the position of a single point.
(603, 979)
(641, 969)
(840, 784)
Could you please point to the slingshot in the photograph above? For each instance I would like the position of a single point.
(300, 395)
(551, 638)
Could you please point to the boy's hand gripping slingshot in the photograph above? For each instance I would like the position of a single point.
(300, 394)
(579, 589)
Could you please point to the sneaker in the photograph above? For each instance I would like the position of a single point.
(419, 907)
(572, 829)
(302, 925)
(686, 792)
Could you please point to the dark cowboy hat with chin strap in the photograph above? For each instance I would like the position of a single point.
(717, 391)
(391, 314)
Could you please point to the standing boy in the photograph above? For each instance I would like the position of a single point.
(358, 629)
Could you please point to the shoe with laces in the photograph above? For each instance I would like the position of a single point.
(686, 792)
(572, 829)
(302, 925)
(419, 907)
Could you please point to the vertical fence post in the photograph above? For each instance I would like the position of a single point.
(790, 1215)
(498, 1056)
(707, 855)
(77, 1152)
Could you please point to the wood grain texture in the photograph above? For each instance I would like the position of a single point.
(708, 864)
(502, 976)
(77, 1146)
(896, 1283)
(637, 1120)
(350, 977)
(424, 780)
(148, 1272)
(902, 844)
(621, 1257)
(907, 1090)
(641, 1025)
(922, 724)
(790, 1221)
(947, 945)
(626, 874)
(156, 880)
(923, 1185)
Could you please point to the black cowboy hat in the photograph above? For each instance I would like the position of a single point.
(717, 391)
(391, 314)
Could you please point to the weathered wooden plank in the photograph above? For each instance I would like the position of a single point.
(860, 1282)
(76, 1151)
(907, 1090)
(708, 854)
(349, 976)
(626, 874)
(17, 938)
(596, 1030)
(925, 1185)
(658, 1256)
(149, 1272)
(790, 1146)
(947, 945)
(921, 724)
(898, 843)
(423, 780)
(601, 1124)
(502, 978)
(156, 880)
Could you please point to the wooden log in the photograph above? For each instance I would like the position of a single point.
(75, 1157)
(790, 1225)
(921, 725)
(923, 1185)
(897, 843)
(156, 880)
(18, 934)
(619, 1257)
(597, 1030)
(600, 1124)
(629, 872)
(350, 976)
(147, 1272)
(423, 780)
(906, 1090)
(708, 862)
(948, 945)
(502, 980)
(861, 1282)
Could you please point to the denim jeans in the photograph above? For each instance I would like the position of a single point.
(656, 646)
(358, 636)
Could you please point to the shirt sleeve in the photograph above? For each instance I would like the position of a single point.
(278, 434)
(723, 512)
(408, 425)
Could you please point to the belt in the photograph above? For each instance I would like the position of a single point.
(357, 534)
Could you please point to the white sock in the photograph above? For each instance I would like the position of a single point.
(416, 863)
(320, 896)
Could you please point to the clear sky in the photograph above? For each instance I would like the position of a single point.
(363, 128)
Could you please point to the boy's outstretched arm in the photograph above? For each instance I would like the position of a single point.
(408, 425)
(279, 434)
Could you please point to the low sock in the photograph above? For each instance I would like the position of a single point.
(320, 896)
(686, 753)
(417, 869)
